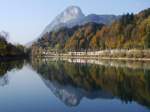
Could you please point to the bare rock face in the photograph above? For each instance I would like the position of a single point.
(73, 16)
(68, 18)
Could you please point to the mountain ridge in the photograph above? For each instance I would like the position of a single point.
(75, 20)
(129, 32)
(73, 16)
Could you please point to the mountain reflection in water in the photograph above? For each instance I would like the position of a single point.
(71, 80)
(75, 84)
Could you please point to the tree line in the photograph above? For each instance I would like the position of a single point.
(8, 50)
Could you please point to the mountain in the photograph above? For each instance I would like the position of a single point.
(73, 16)
(128, 32)
(69, 17)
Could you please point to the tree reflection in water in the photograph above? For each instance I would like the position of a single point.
(70, 81)
(7, 66)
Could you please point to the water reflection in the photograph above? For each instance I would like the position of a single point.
(7, 66)
(72, 80)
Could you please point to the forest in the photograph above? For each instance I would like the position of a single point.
(130, 31)
(8, 50)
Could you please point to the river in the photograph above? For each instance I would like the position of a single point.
(74, 85)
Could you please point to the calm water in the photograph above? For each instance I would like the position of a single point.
(74, 86)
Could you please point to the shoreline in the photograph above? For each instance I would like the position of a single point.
(116, 54)
(99, 58)
(114, 62)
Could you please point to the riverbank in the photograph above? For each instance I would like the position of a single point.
(135, 55)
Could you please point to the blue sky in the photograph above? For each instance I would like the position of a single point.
(25, 19)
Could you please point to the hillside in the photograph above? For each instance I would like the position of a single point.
(8, 50)
(130, 31)
(73, 16)
(66, 38)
